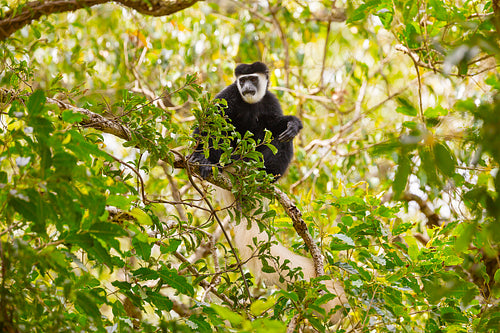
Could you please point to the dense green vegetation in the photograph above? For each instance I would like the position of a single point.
(102, 227)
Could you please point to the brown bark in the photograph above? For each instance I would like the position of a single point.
(26, 13)
(496, 15)
(95, 120)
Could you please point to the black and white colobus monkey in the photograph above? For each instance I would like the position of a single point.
(251, 107)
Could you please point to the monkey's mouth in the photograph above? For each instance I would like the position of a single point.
(249, 92)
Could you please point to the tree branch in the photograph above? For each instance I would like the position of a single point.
(95, 120)
(301, 227)
(116, 128)
(433, 219)
(23, 15)
(496, 16)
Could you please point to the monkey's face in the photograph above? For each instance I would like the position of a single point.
(252, 87)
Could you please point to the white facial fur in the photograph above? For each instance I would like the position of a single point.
(261, 88)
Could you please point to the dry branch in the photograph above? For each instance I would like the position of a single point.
(23, 15)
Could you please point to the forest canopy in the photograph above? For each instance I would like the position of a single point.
(393, 190)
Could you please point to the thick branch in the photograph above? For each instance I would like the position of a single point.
(301, 228)
(26, 13)
(116, 128)
(95, 120)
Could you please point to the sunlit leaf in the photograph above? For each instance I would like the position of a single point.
(141, 216)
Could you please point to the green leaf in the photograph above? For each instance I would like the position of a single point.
(201, 324)
(173, 245)
(290, 295)
(341, 242)
(36, 102)
(363, 11)
(87, 305)
(452, 315)
(92, 247)
(227, 314)
(428, 165)
(386, 15)
(107, 231)
(3, 177)
(437, 8)
(120, 201)
(145, 273)
(36, 31)
(122, 285)
(141, 216)
(413, 249)
(71, 116)
(14, 81)
(445, 160)
(493, 81)
(435, 112)
(64, 163)
(402, 227)
(29, 205)
(407, 111)
(143, 249)
(266, 268)
(176, 281)
(401, 177)
(161, 302)
(272, 148)
(269, 214)
(497, 276)
(260, 306)
(464, 232)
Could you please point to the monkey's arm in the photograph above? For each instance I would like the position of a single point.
(293, 127)
(284, 128)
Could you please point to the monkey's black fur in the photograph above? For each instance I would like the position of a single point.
(256, 67)
(255, 118)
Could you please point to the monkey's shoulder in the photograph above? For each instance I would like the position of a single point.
(230, 94)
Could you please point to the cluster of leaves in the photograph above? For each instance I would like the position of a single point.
(390, 273)
(403, 99)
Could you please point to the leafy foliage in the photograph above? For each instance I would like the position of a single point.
(395, 171)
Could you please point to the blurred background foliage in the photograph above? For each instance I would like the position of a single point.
(395, 170)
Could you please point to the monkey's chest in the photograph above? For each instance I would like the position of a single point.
(254, 127)
(249, 122)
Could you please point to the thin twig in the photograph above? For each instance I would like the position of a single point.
(203, 283)
(273, 10)
(325, 52)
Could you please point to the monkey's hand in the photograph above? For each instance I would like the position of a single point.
(204, 164)
(292, 129)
